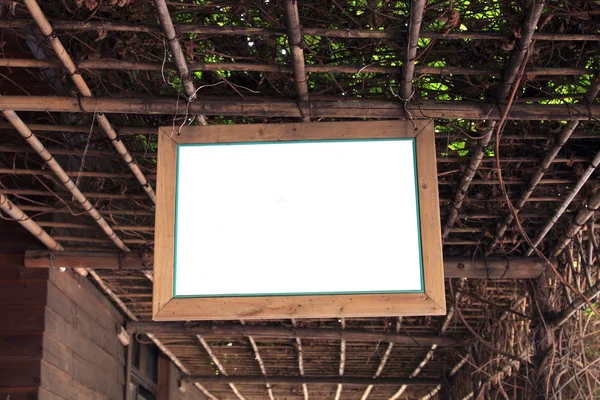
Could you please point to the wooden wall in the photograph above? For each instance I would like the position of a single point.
(22, 305)
(57, 331)
(82, 356)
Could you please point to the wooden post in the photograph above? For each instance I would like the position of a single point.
(164, 377)
(128, 365)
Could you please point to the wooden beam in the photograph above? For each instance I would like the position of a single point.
(454, 267)
(517, 58)
(298, 380)
(301, 361)
(417, 8)
(294, 33)
(591, 205)
(572, 308)
(271, 108)
(330, 33)
(182, 67)
(113, 64)
(235, 330)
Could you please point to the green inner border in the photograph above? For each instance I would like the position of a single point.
(416, 180)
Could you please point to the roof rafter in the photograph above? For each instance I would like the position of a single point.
(508, 78)
(417, 8)
(265, 107)
(329, 33)
(48, 32)
(63, 177)
(220, 367)
(182, 67)
(536, 178)
(294, 34)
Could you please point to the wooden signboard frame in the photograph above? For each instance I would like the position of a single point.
(167, 307)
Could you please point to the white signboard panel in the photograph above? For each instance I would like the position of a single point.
(297, 218)
(300, 220)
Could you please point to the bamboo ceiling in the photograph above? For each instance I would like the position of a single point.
(512, 87)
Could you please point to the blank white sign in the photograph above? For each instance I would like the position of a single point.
(297, 218)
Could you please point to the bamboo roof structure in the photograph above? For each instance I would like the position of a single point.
(512, 87)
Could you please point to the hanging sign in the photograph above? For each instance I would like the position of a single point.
(336, 219)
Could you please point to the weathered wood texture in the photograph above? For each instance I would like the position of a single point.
(22, 302)
(58, 333)
(82, 355)
(273, 108)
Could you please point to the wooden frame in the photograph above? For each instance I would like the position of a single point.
(166, 307)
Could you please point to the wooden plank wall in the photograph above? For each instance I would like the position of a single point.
(82, 356)
(22, 303)
(57, 332)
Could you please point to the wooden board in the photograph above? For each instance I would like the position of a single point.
(103, 354)
(432, 302)
(23, 292)
(22, 319)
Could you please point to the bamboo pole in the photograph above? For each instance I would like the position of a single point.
(520, 51)
(322, 380)
(94, 195)
(83, 239)
(454, 267)
(382, 363)
(114, 211)
(340, 386)
(440, 160)
(294, 34)
(572, 308)
(508, 77)
(67, 152)
(567, 201)
(120, 65)
(466, 179)
(221, 368)
(61, 53)
(35, 229)
(114, 196)
(330, 33)
(83, 174)
(177, 52)
(236, 330)
(63, 177)
(261, 363)
(417, 8)
(300, 358)
(265, 107)
(536, 178)
(123, 130)
(592, 205)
